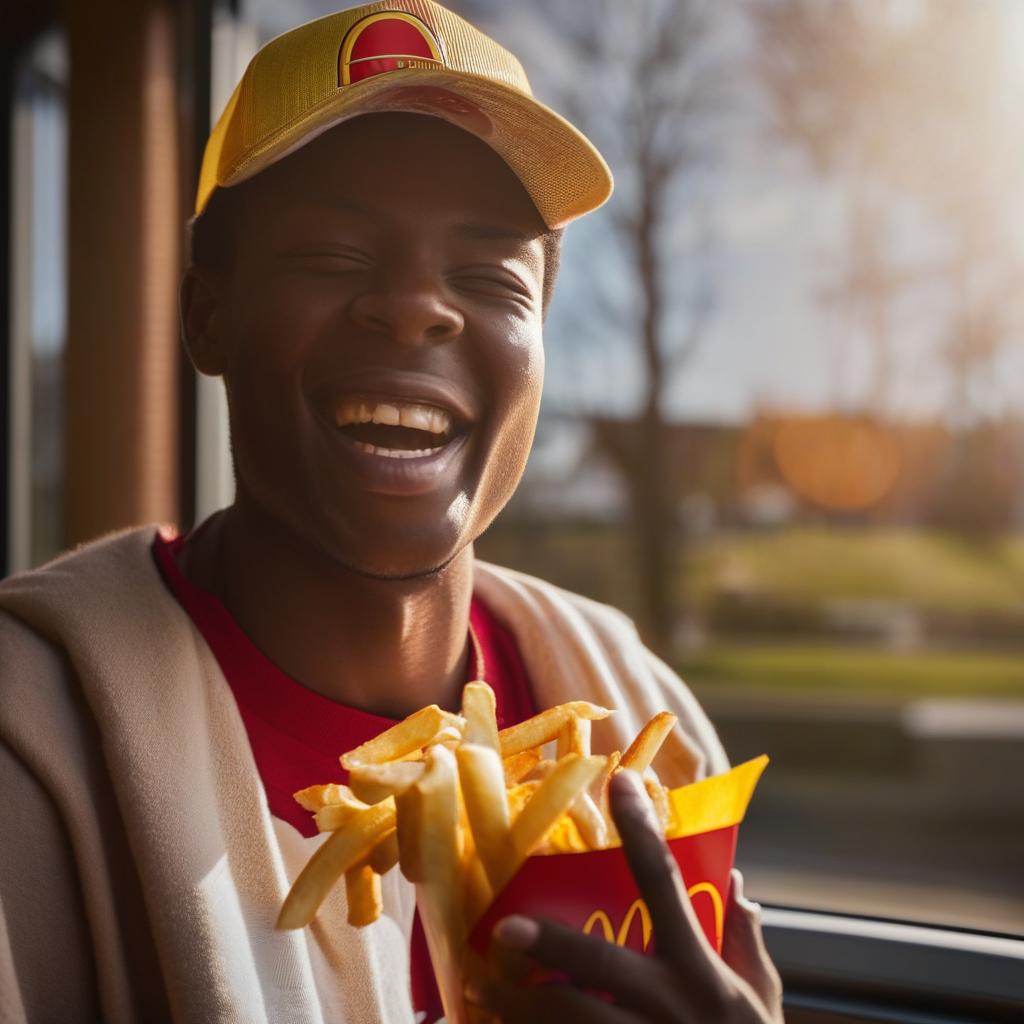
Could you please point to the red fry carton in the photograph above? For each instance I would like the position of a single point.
(594, 891)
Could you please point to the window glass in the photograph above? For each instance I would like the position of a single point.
(235, 38)
(783, 424)
(39, 302)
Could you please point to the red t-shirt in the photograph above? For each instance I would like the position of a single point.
(296, 734)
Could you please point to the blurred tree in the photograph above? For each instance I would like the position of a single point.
(645, 82)
(900, 104)
(977, 493)
(831, 73)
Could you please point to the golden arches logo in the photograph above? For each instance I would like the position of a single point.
(717, 907)
(636, 908)
(394, 40)
(600, 918)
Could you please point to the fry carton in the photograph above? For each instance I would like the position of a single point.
(595, 893)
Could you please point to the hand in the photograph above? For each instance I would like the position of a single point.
(684, 982)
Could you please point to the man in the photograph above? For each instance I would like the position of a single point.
(377, 233)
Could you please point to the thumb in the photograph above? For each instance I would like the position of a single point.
(743, 949)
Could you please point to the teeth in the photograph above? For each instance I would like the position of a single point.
(396, 453)
(406, 414)
(387, 414)
(419, 416)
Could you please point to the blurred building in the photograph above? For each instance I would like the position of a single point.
(783, 468)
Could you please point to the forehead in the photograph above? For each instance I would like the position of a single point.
(413, 168)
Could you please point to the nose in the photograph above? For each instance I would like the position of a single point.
(409, 305)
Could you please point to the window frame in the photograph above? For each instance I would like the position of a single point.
(847, 968)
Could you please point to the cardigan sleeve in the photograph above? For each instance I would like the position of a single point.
(46, 965)
(69, 894)
(575, 647)
(694, 724)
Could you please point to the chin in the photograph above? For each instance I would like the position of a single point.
(394, 573)
(378, 553)
(394, 565)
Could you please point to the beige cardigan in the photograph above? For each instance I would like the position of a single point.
(140, 869)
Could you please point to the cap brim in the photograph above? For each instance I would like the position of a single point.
(560, 169)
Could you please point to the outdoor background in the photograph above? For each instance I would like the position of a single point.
(783, 424)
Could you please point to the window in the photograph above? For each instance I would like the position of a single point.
(38, 303)
(793, 449)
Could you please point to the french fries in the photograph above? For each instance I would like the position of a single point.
(384, 856)
(574, 738)
(518, 766)
(340, 851)
(479, 711)
(459, 805)
(566, 781)
(362, 889)
(372, 783)
(648, 742)
(412, 734)
(482, 780)
(315, 797)
(546, 726)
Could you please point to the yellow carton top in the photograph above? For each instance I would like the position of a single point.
(704, 806)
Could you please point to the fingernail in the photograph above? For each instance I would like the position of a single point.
(632, 796)
(517, 932)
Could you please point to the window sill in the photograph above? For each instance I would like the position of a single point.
(859, 969)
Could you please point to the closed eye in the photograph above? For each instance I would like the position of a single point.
(492, 281)
(328, 260)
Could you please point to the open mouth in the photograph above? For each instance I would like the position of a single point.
(394, 430)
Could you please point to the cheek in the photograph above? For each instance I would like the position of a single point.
(277, 327)
(274, 330)
(531, 388)
(528, 374)
(521, 376)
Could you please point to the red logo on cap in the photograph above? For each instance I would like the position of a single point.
(386, 42)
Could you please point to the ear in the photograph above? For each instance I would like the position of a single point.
(202, 327)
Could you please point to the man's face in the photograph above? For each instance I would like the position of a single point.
(390, 270)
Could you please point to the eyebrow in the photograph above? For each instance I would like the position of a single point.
(341, 203)
(490, 232)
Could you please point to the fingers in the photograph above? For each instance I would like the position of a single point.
(548, 1004)
(634, 980)
(677, 933)
(743, 949)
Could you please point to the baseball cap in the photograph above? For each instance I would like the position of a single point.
(413, 56)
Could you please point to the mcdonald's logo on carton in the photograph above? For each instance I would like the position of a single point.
(595, 892)
(637, 910)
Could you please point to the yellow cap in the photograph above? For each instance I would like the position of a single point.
(401, 55)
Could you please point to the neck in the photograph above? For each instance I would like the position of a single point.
(385, 646)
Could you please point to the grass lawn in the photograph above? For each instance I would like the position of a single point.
(809, 566)
(832, 670)
(927, 569)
